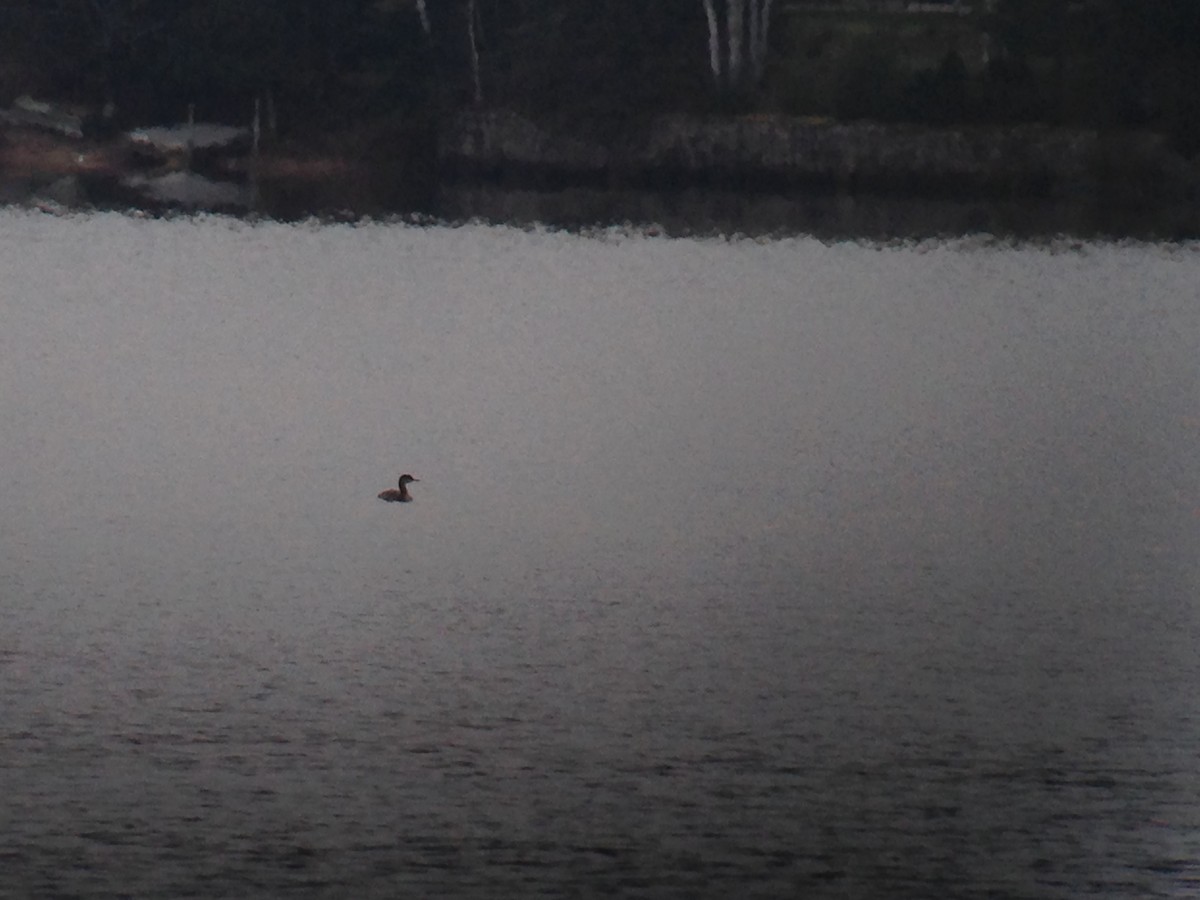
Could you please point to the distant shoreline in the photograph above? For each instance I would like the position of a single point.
(756, 174)
(767, 151)
(755, 152)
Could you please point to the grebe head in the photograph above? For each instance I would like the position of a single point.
(407, 479)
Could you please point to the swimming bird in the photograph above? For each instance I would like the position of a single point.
(392, 495)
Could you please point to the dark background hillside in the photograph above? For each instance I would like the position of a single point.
(318, 66)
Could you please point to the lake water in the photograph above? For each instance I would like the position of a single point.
(735, 569)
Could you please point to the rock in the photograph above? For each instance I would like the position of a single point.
(29, 113)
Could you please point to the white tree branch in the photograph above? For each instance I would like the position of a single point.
(714, 41)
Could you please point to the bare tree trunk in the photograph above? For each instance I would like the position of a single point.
(272, 118)
(736, 29)
(256, 128)
(474, 52)
(191, 137)
(753, 37)
(760, 30)
(745, 42)
(714, 42)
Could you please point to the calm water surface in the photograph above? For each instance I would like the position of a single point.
(735, 568)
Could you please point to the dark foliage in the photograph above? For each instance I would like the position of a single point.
(325, 64)
(940, 96)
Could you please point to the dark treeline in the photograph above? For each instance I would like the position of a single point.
(330, 64)
(1111, 63)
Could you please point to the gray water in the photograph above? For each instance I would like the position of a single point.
(735, 568)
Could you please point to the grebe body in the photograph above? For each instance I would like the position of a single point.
(400, 494)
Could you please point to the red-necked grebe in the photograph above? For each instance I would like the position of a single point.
(401, 495)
